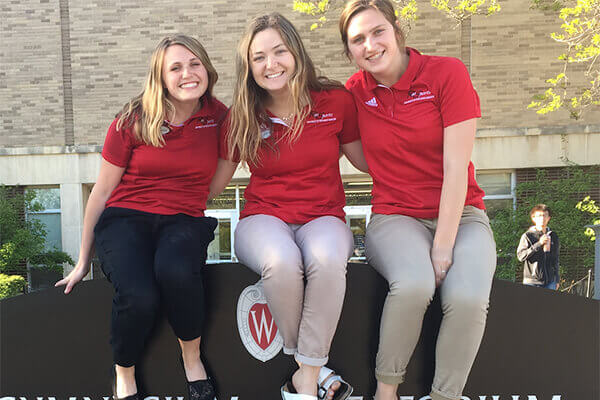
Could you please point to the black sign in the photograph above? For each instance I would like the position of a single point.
(538, 345)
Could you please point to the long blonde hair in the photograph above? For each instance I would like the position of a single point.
(147, 111)
(248, 110)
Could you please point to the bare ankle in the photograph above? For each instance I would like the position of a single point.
(386, 391)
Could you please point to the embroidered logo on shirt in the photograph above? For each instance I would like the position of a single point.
(206, 123)
(418, 96)
(321, 117)
(372, 102)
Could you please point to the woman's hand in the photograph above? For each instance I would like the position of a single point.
(441, 258)
(74, 277)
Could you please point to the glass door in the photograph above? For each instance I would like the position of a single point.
(221, 249)
(357, 218)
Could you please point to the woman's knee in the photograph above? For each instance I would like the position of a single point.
(412, 291)
(465, 303)
(178, 272)
(280, 263)
(142, 303)
(324, 260)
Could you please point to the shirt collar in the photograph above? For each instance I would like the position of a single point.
(207, 108)
(414, 66)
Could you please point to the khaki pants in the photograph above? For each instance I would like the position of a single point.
(398, 247)
(286, 255)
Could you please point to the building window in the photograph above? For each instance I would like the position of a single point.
(49, 215)
(499, 187)
(226, 209)
(358, 213)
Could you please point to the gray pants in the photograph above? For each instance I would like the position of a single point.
(286, 255)
(398, 247)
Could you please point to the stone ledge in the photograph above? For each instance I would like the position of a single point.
(46, 150)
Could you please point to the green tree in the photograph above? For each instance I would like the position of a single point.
(20, 239)
(580, 35)
(406, 10)
(23, 240)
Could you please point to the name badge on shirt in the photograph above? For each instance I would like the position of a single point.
(321, 117)
(206, 123)
(419, 95)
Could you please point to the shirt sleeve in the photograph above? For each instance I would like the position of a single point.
(526, 250)
(458, 99)
(349, 131)
(118, 145)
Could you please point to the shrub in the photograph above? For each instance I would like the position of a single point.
(11, 285)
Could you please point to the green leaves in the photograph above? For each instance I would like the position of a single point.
(11, 285)
(461, 10)
(588, 206)
(21, 239)
(581, 36)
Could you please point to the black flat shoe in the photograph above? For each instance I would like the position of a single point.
(113, 372)
(202, 389)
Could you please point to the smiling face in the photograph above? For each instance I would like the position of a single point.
(184, 76)
(373, 44)
(271, 62)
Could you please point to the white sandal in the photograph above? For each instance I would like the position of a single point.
(326, 378)
(289, 393)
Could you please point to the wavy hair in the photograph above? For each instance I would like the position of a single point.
(248, 112)
(147, 111)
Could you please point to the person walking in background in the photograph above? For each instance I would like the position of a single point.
(289, 126)
(538, 251)
(145, 214)
(417, 117)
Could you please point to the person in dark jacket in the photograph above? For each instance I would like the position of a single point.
(538, 250)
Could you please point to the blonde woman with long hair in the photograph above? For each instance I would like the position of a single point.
(289, 126)
(145, 215)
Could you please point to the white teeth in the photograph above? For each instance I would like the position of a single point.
(189, 85)
(275, 75)
(375, 56)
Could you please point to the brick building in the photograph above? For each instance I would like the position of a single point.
(66, 68)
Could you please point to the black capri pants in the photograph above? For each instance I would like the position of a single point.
(153, 261)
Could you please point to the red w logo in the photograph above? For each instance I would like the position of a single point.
(260, 321)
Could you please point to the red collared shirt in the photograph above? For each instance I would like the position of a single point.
(171, 179)
(402, 132)
(301, 181)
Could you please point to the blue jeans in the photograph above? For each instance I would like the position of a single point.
(551, 285)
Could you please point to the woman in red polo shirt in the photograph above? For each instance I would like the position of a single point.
(289, 126)
(417, 118)
(146, 211)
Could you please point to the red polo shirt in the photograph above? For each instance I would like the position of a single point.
(402, 132)
(301, 181)
(171, 179)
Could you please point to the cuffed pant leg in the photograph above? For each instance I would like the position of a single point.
(465, 296)
(180, 257)
(398, 247)
(326, 244)
(125, 247)
(266, 245)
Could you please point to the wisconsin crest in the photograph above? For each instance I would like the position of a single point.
(256, 326)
